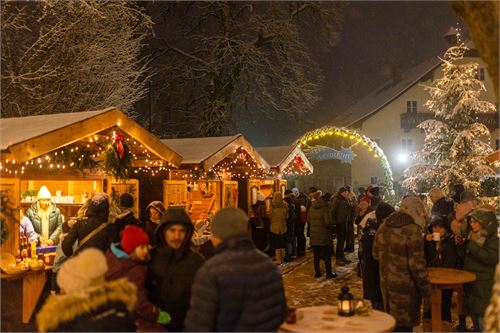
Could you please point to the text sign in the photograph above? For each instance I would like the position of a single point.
(323, 153)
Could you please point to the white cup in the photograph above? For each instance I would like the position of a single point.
(436, 236)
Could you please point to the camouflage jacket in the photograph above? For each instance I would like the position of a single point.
(399, 248)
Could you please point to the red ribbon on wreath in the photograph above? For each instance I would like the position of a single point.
(118, 138)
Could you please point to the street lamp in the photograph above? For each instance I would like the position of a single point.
(402, 157)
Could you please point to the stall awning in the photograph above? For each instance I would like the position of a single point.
(494, 157)
(26, 138)
(208, 151)
(281, 158)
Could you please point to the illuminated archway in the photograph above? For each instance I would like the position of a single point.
(357, 137)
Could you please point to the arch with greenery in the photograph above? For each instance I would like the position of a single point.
(358, 138)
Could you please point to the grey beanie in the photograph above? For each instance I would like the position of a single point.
(229, 222)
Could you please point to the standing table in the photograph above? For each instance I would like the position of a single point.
(444, 278)
(324, 318)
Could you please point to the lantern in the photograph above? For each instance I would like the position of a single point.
(346, 303)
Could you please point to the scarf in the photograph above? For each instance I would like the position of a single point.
(44, 215)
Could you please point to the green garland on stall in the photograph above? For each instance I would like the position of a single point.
(81, 158)
(4, 232)
(120, 168)
(7, 214)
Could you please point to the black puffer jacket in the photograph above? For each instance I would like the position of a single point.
(122, 220)
(171, 272)
(237, 290)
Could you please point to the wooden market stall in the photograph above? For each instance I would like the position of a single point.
(214, 173)
(285, 161)
(73, 155)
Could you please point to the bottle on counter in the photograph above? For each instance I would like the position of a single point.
(33, 251)
(24, 247)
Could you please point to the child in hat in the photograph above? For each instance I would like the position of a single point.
(128, 259)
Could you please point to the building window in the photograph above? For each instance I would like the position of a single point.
(411, 106)
(497, 144)
(480, 74)
(373, 180)
(406, 145)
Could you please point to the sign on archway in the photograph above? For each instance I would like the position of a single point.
(345, 155)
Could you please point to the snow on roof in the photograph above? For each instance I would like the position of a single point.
(197, 150)
(382, 96)
(275, 155)
(18, 129)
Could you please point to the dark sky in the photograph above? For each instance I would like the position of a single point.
(375, 37)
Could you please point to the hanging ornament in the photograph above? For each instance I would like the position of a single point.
(118, 139)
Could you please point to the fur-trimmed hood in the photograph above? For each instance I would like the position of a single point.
(59, 309)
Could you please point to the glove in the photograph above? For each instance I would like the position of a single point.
(163, 318)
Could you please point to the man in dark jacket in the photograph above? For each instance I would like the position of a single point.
(239, 289)
(441, 205)
(343, 213)
(126, 217)
(173, 266)
(128, 259)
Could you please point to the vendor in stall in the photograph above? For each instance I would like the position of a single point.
(45, 217)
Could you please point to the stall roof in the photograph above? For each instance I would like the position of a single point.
(493, 157)
(279, 157)
(25, 138)
(208, 151)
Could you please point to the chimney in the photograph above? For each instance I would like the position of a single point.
(396, 74)
(452, 36)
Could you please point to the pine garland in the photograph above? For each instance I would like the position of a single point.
(113, 165)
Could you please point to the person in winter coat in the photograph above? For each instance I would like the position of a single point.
(459, 189)
(442, 253)
(349, 242)
(301, 204)
(441, 205)
(239, 289)
(128, 259)
(88, 302)
(321, 238)
(291, 222)
(45, 218)
(154, 212)
(375, 198)
(370, 271)
(343, 212)
(93, 230)
(277, 225)
(173, 266)
(481, 257)
(399, 248)
(126, 217)
(260, 223)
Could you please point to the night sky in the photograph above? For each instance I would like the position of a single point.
(376, 36)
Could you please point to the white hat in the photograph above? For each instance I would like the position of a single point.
(44, 193)
(84, 270)
(296, 192)
(261, 196)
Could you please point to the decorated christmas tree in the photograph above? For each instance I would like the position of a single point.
(455, 144)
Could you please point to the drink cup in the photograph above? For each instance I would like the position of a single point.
(436, 236)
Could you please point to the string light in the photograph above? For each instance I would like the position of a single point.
(353, 135)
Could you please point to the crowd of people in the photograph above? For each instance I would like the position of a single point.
(115, 273)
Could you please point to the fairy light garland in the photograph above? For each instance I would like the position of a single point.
(353, 135)
(92, 149)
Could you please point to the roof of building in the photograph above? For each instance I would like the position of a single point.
(388, 92)
(18, 129)
(208, 151)
(279, 157)
(25, 138)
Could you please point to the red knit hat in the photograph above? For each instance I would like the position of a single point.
(132, 237)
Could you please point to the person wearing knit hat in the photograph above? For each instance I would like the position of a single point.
(222, 299)
(125, 217)
(441, 204)
(127, 259)
(261, 196)
(88, 302)
(173, 266)
(481, 257)
(370, 266)
(45, 218)
(94, 230)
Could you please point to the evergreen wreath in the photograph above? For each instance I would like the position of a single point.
(117, 158)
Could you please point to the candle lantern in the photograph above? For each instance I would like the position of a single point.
(346, 303)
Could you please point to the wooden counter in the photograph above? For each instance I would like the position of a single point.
(26, 286)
